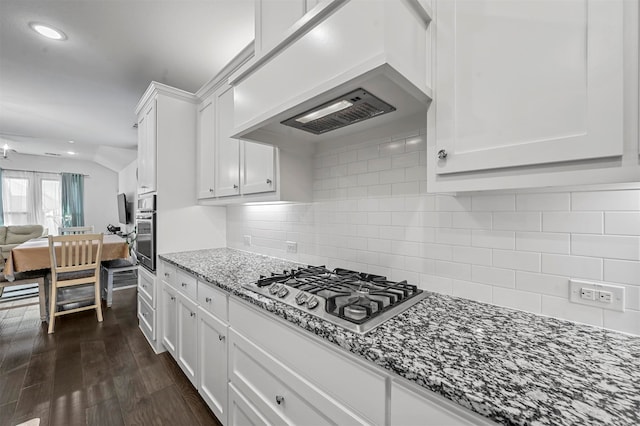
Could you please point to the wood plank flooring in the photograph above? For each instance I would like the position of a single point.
(90, 373)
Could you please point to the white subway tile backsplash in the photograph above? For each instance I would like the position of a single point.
(543, 202)
(493, 239)
(493, 276)
(470, 220)
(622, 223)
(493, 203)
(608, 246)
(543, 242)
(561, 308)
(606, 200)
(516, 299)
(517, 260)
(575, 222)
(472, 291)
(453, 236)
(517, 221)
(371, 212)
(628, 322)
(452, 270)
(622, 271)
(542, 283)
(473, 255)
(572, 266)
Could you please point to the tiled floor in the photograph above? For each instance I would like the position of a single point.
(90, 373)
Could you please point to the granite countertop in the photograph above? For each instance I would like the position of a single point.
(510, 366)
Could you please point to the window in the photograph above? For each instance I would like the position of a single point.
(32, 198)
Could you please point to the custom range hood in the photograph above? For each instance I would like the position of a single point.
(352, 67)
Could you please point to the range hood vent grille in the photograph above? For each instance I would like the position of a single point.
(362, 106)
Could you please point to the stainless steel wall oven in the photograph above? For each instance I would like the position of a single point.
(145, 245)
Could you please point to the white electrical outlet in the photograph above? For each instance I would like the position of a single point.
(591, 293)
(247, 240)
(292, 247)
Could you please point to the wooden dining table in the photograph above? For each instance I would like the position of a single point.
(33, 256)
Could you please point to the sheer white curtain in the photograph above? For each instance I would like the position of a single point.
(31, 198)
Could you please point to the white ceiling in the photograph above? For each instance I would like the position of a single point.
(85, 89)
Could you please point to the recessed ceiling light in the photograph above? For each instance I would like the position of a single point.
(72, 141)
(47, 31)
(71, 153)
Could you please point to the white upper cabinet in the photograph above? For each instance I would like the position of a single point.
(227, 167)
(258, 167)
(147, 148)
(206, 148)
(273, 19)
(530, 93)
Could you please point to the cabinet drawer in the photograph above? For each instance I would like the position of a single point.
(167, 273)
(187, 284)
(147, 286)
(280, 394)
(212, 300)
(147, 317)
(326, 368)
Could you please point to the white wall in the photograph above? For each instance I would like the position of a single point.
(100, 186)
(371, 213)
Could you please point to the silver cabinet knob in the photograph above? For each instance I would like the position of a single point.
(145, 314)
(279, 399)
(192, 314)
(166, 274)
(269, 181)
(220, 337)
(144, 286)
(184, 284)
(235, 186)
(207, 299)
(442, 154)
(210, 189)
(173, 298)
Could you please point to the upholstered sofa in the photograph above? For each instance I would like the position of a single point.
(11, 236)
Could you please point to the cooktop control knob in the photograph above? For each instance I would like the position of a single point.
(274, 288)
(312, 302)
(301, 298)
(283, 292)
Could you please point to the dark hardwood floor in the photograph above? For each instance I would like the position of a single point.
(90, 373)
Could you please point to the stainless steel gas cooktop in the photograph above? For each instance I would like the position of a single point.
(354, 300)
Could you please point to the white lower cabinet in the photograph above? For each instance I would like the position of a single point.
(188, 338)
(212, 363)
(149, 314)
(169, 325)
(241, 411)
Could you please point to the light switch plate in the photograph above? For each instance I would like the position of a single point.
(605, 296)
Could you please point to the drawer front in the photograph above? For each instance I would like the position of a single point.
(147, 318)
(326, 368)
(186, 284)
(242, 412)
(212, 300)
(167, 273)
(147, 286)
(278, 392)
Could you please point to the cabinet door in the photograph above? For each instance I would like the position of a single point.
(273, 20)
(526, 82)
(258, 165)
(188, 338)
(147, 149)
(227, 169)
(206, 149)
(212, 341)
(169, 317)
(241, 412)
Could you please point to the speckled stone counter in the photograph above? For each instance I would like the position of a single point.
(510, 366)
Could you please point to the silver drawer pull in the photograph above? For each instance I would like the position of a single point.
(220, 337)
(144, 286)
(173, 298)
(166, 274)
(269, 181)
(279, 399)
(184, 284)
(193, 314)
(207, 299)
(442, 154)
(211, 190)
(145, 314)
(235, 186)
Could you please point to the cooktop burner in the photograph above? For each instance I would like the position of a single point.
(355, 300)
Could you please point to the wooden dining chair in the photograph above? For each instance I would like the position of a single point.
(75, 262)
(73, 230)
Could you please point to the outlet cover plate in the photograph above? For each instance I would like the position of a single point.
(292, 247)
(247, 240)
(617, 294)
